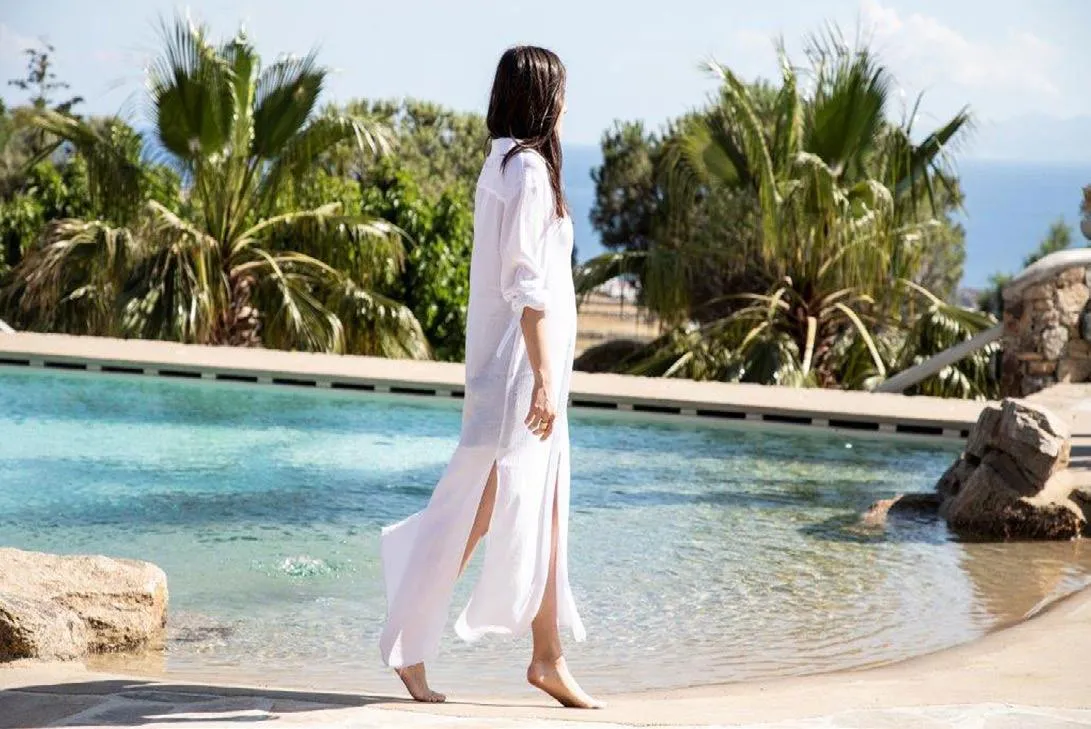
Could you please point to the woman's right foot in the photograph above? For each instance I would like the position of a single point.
(417, 684)
(553, 678)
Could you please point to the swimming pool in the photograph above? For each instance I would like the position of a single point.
(701, 553)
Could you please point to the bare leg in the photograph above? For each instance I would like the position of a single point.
(548, 670)
(413, 676)
(482, 520)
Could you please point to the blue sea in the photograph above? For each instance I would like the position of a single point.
(1009, 207)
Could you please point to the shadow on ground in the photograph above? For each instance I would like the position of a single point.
(120, 702)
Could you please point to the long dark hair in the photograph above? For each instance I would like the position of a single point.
(526, 104)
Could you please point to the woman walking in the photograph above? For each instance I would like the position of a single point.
(509, 476)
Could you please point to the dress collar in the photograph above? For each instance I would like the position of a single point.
(501, 145)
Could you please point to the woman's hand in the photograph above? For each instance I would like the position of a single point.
(542, 412)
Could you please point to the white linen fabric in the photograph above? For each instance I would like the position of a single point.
(521, 258)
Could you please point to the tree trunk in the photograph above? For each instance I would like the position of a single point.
(241, 323)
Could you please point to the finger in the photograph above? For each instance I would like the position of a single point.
(548, 431)
(532, 415)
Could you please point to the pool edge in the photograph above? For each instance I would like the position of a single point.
(830, 410)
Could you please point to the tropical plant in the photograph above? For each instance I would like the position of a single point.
(435, 279)
(441, 149)
(847, 205)
(237, 263)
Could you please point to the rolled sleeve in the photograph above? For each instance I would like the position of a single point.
(522, 241)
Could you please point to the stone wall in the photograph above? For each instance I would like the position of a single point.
(1047, 324)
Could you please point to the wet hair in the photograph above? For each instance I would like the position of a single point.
(526, 104)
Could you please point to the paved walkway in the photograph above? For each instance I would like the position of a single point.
(1031, 676)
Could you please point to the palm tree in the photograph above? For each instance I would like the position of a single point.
(846, 205)
(235, 262)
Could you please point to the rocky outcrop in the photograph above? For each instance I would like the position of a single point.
(1006, 484)
(903, 505)
(64, 607)
(1010, 481)
(1047, 324)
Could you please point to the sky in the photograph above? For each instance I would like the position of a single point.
(1018, 64)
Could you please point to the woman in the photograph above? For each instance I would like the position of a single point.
(509, 476)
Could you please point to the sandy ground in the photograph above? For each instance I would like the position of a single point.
(1032, 675)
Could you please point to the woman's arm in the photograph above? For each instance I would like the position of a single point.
(523, 276)
(542, 410)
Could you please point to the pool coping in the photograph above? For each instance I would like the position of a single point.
(817, 408)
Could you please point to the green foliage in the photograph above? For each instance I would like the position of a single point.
(435, 280)
(236, 260)
(780, 218)
(441, 149)
(627, 191)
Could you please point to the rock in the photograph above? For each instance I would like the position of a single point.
(1031, 385)
(121, 605)
(1052, 341)
(988, 508)
(876, 514)
(1078, 349)
(951, 482)
(1004, 486)
(39, 629)
(1035, 438)
(908, 505)
(982, 433)
(1076, 275)
(1037, 292)
(1041, 368)
(1085, 325)
(1074, 370)
(1071, 301)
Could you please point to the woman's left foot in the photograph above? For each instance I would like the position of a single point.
(416, 682)
(554, 678)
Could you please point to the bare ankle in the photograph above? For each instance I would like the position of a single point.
(547, 657)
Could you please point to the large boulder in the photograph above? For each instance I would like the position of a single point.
(32, 628)
(64, 607)
(1006, 484)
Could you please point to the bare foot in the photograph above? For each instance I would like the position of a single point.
(414, 680)
(555, 680)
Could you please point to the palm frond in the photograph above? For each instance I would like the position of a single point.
(377, 325)
(296, 156)
(286, 95)
(176, 288)
(608, 266)
(115, 179)
(190, 93)
(360, 246)
(290, 294)
(69, 283)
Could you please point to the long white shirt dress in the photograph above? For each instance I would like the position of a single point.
(521, 258)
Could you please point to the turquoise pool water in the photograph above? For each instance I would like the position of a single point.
(702, 553)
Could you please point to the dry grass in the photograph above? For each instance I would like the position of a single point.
(602, 319)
